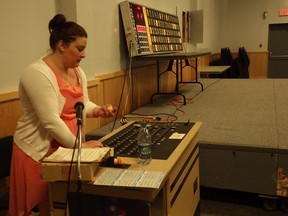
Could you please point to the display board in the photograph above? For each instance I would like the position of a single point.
(149, 31)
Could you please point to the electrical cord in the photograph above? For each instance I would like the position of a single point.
(122, 91)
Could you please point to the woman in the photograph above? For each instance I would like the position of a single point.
(48, 90)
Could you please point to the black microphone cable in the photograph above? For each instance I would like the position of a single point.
(69, 174)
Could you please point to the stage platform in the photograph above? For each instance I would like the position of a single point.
(243, 139)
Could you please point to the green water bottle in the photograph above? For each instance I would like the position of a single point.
(144, 144)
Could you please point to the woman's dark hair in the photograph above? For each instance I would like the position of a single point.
(67, 31)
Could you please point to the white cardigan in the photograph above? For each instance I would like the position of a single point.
(41, 106)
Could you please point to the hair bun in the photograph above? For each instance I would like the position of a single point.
(57, 21)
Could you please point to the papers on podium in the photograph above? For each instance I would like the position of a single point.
(87, 155)
(57, 166)
(131, 178)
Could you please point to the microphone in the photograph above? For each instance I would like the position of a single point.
(79, 106)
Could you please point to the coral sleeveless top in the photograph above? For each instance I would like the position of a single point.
(73, 94)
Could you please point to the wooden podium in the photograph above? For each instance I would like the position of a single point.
(178, 194)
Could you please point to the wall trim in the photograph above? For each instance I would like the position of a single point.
(7, 96)
(110, 75)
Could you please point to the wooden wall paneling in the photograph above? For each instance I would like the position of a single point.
(258, 67)
(213, 57)
(204, 61)
(234, 55)
(10, 113)
(109, 92)
(258, 64)
(168, 79)
(134, 89)
(188, 72)
(93, 92)
(146, 83)
(126, 104)
(112, 95)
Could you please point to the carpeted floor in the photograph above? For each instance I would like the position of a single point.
(246, 112)
(217, 202)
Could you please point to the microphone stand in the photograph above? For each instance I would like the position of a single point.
(79, 139)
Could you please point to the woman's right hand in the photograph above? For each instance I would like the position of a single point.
(105, 111)
(92, 144)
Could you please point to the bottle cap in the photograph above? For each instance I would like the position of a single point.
(143, 124)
